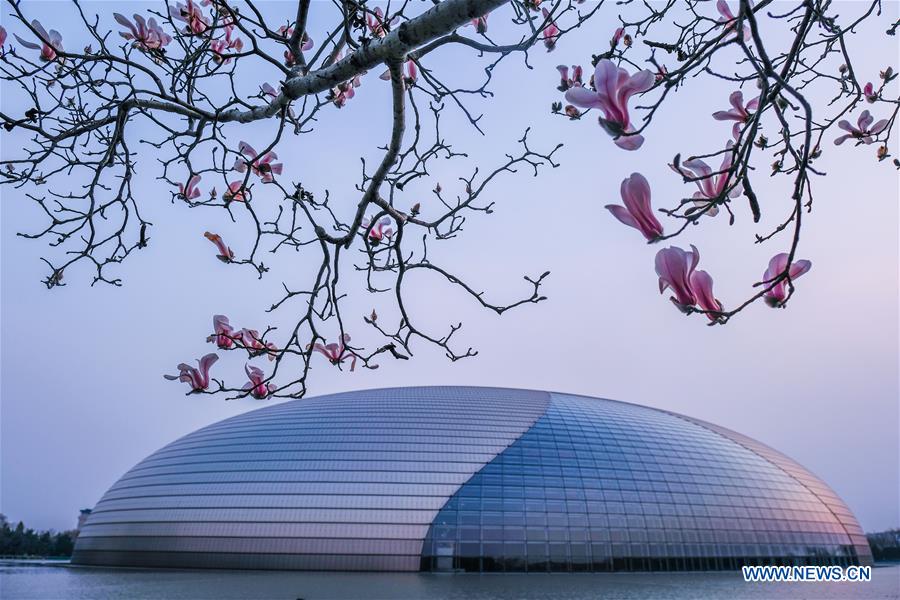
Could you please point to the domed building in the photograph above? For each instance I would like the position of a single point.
(473, 479)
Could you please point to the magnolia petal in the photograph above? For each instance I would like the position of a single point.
(629, 142)
(26, 43)
(840, 140)
(736, 99)
(865, 119)
(207, 361)
(724, 10)
(247, 150)
(879, 126)
(799, 268)
(622, 214)
(583, 97)
(727, 115)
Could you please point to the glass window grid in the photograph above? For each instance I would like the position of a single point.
(604, 486)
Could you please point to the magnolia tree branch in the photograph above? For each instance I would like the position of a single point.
(174, 81)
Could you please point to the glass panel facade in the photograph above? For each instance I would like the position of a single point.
(598, 485)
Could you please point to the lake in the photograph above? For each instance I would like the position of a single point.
(48, 580)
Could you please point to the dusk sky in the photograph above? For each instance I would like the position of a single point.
(83, 397)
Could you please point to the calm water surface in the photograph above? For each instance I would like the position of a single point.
(24, 580)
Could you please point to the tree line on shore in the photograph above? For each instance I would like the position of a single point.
(885, 544)
(22, 541)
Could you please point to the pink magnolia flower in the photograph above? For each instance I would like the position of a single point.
(614, 86)
(224, 333)
(236, 192)
(617, 37)
(252, 341)
(190, 14)
(273, 94)
(412, 74)
(190, 191)
(306, 43)
(198, 379)
(147, 35)
(864, 130)
(2, 37)
(269, 91)
(221, 46)
(379, 231)
(637, 211)
(343, 92)
(480, 24)
(776, 296)
(260, 165)
(550, 33)
(257, 385)
(729, 19)
(337, 353)
(51, 43)
(225, 253)
(566, 82)
(377, 25)
(711, 186)
(676, 269)
(870, 93)
(739, 112)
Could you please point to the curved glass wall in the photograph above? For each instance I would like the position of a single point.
(597, 485)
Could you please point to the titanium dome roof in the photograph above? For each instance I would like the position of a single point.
(480, 479)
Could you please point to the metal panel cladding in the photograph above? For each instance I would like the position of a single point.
(344, 482)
